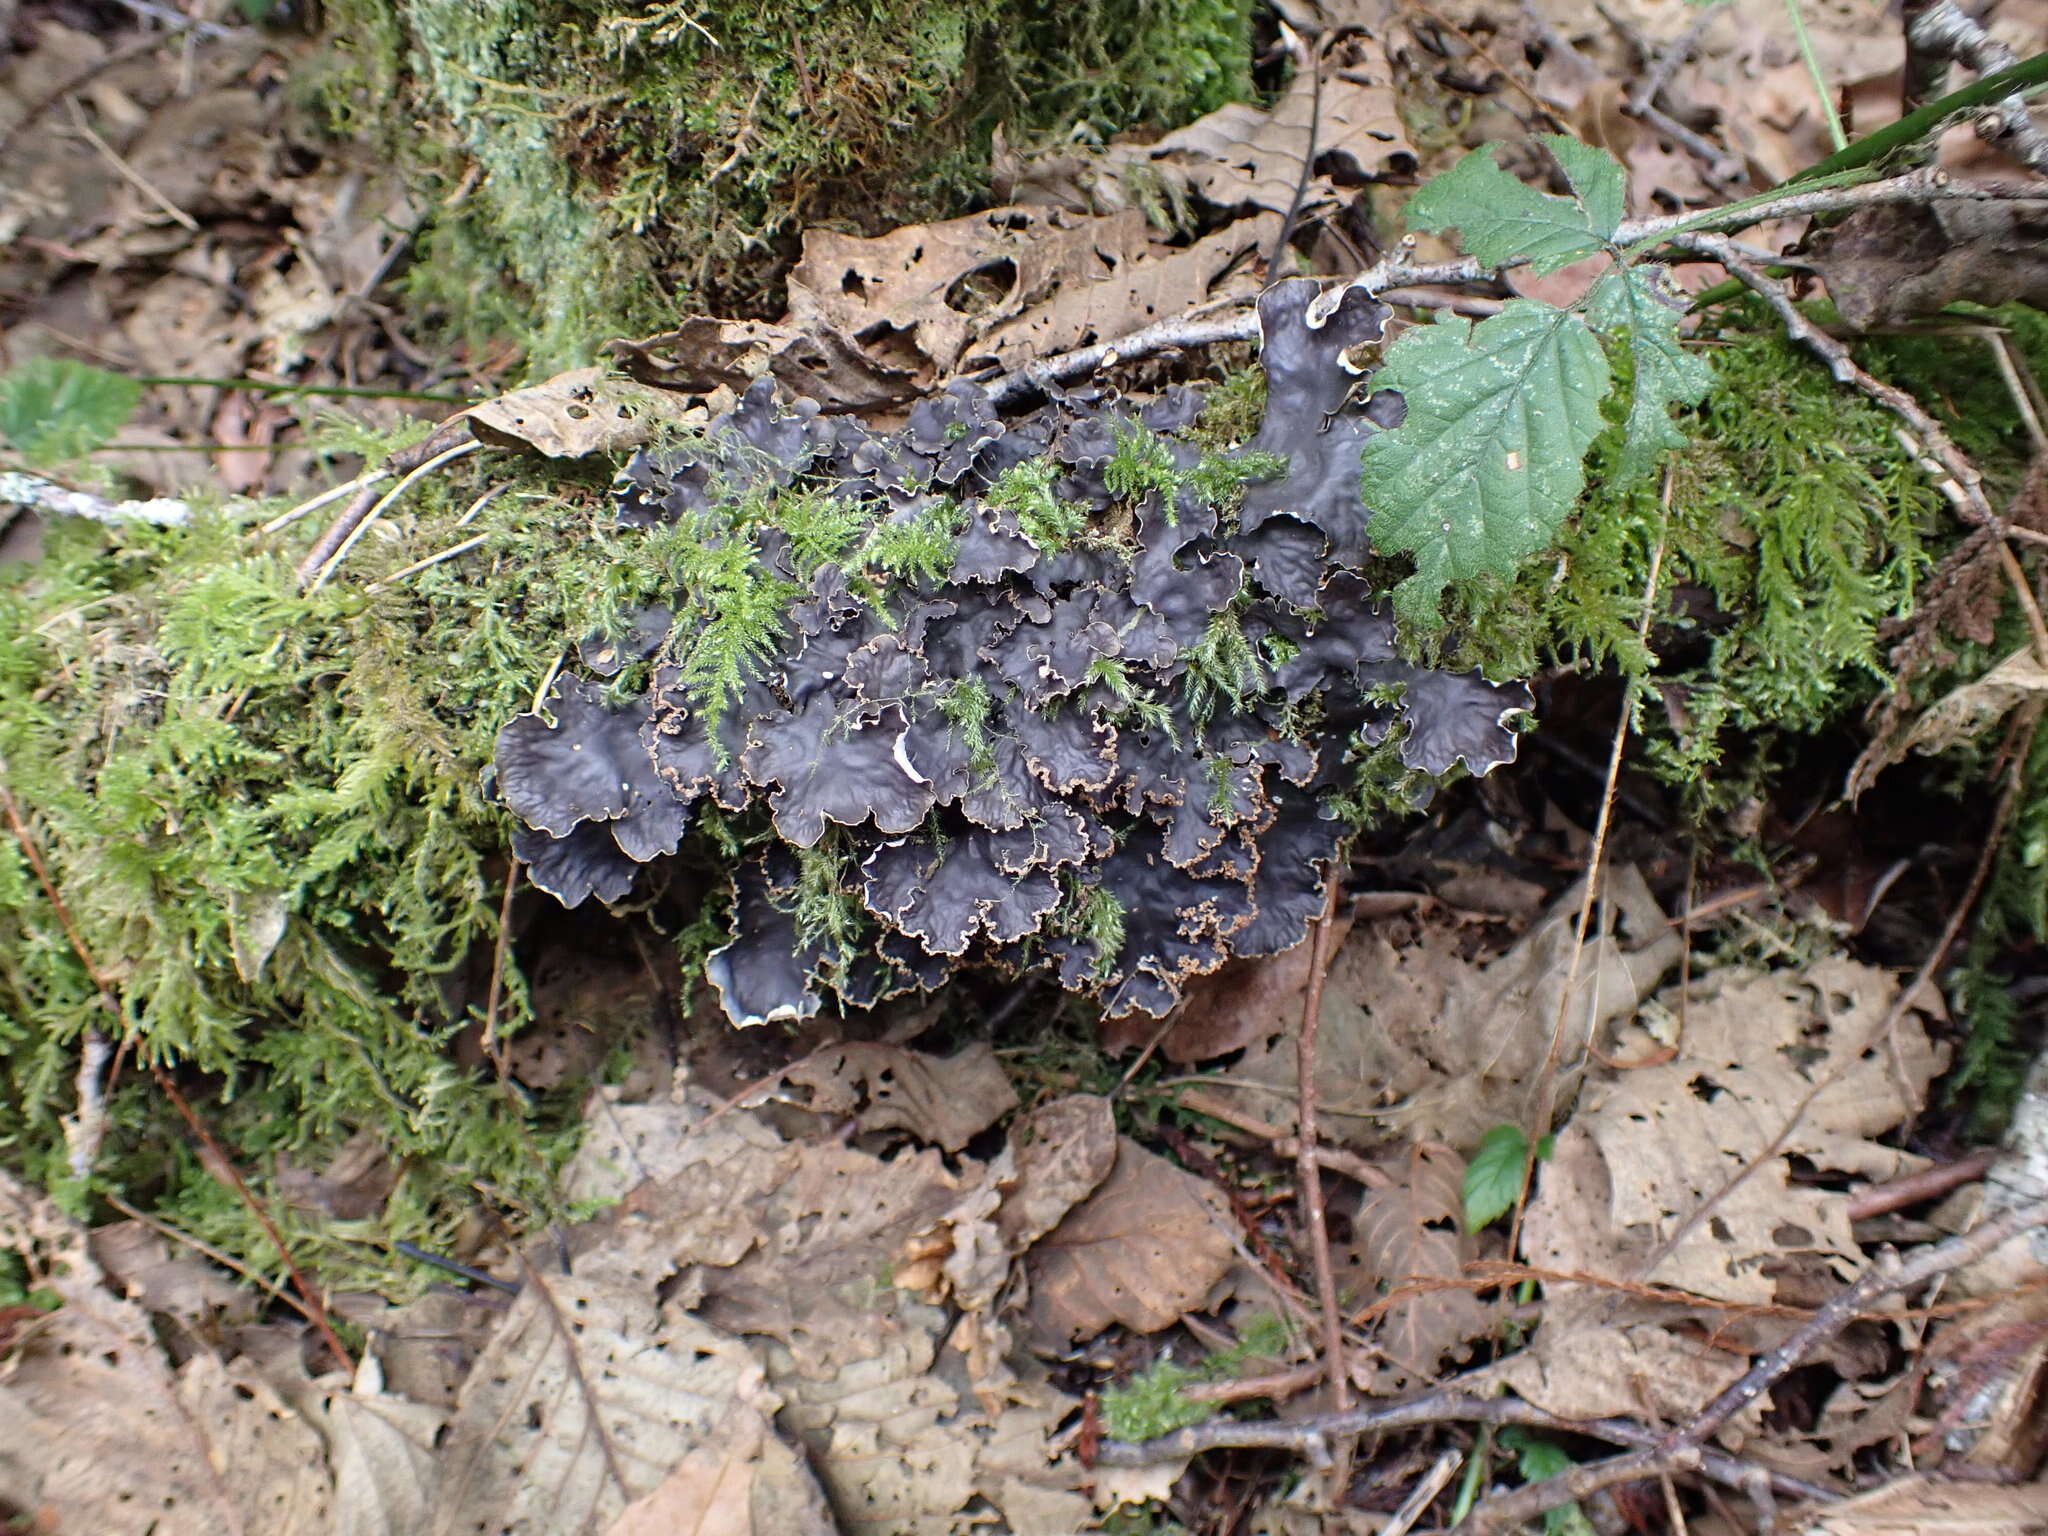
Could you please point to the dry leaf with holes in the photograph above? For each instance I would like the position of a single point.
(1006, 287)
(95, 1425)
(1244, 159)
(1149, 1245)
(582, 412)
(742, 1481)
(588, 1393)
(1420, 1040)
(703, 356)
(1772, 1067)
(946, 1101)
(1411, 1233)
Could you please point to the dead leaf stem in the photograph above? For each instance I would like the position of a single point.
(1926, 1184)
(1308, 1170)
(326, 568)
(365, 502)
(1595, 858)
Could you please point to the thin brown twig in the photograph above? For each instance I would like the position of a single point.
(449, 434)
(276, 1290)
(223, 1166)
(90, 73)
(1926, 1184)
(1681, 1449)
(1932, 439)
(1843, 367)
(1452, 1403)
(129, 174)
(1308, 1170)
(1671, 59)
(1541, 107)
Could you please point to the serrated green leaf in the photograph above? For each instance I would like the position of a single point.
(1597, 178)
(1626, 303)
(1494, 1176)
(1490, 457)
(53, 409)
(1498, 218)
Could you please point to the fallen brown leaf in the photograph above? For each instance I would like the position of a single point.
(95, 1425)
(1149, 1245)
(945, 1101)
(1674, 1135)
(1418, 1040)
(1243, 158)
(582, 412)
(743, 1481)
(1411, 1230)
(1922, 1506)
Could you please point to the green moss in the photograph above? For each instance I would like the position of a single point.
(1026, 491)
(266, 814)
(1231, 414)
(1797, 528)
(1155, 1402)
(594, 168)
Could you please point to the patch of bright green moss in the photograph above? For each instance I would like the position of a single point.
(1797, 527)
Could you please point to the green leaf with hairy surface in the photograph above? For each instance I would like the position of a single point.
(1498, 218)
(53, 409)
(1597, 180)
(1493, 1178)
(1625, 303)
(1489, 459)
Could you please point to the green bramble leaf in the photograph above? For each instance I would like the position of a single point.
(1597, 179)
(53, 410)
(1625, 303)
(1498, 218)
(1494, 1176)
(1490, 458)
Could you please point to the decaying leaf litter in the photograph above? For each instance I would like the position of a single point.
(932, 1289)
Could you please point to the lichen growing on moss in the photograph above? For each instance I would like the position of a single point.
(594, 169)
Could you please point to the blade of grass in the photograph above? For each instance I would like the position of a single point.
(1836, 136)
(2027, 75)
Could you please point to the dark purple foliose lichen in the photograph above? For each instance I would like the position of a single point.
(1112, 749)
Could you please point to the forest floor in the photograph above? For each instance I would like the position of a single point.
(1643, 1200)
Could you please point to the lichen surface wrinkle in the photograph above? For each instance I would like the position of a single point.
(1046, 693)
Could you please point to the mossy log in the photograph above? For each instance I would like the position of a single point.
(594, 167)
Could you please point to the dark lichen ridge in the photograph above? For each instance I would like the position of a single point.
(1060, 689)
